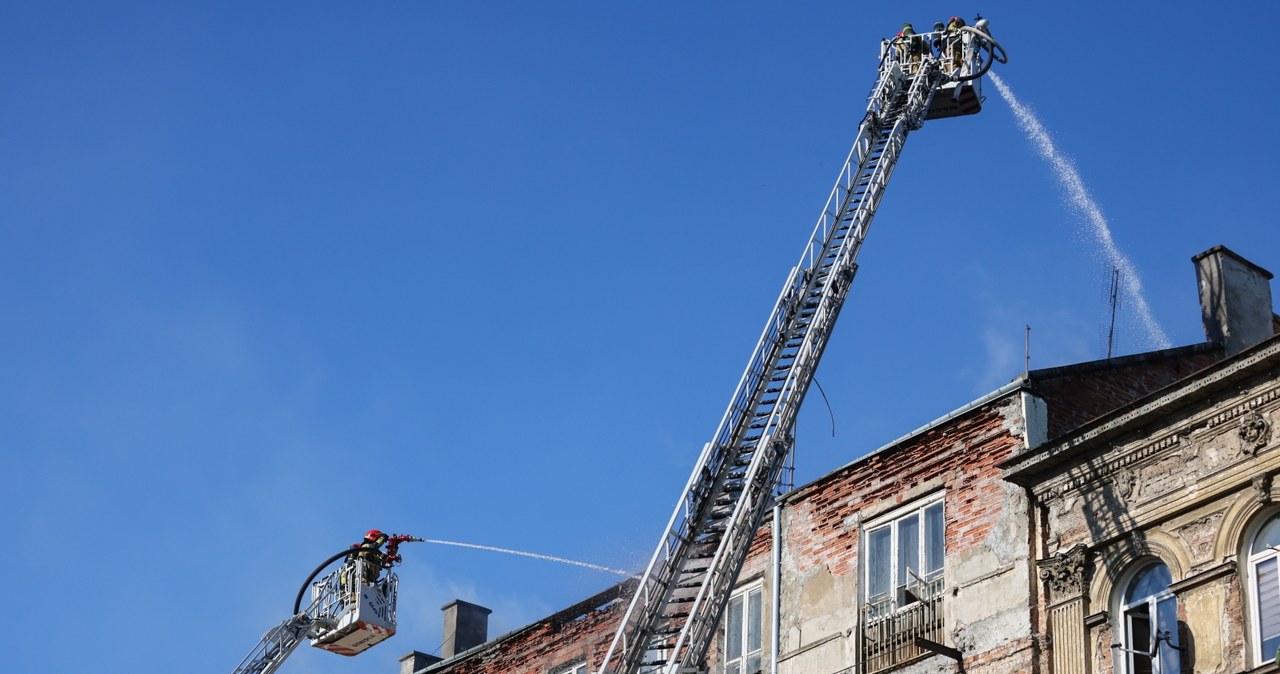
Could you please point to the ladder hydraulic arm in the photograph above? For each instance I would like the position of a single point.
(681, 598)
(276, 645)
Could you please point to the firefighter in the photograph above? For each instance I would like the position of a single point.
(370, 552)
(939, 29)
(909, 46)
(954, 55)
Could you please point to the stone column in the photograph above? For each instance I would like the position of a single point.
(1066, 576)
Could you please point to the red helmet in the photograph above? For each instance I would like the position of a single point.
(374, 535)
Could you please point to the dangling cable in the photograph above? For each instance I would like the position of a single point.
(830, 413)
(297, 603)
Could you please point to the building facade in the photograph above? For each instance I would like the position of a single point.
(1108, 516)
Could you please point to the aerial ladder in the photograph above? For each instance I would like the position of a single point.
(352, 608)
(681, 598)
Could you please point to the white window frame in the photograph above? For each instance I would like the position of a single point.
(1152, 602)
(891, 520)
(1253, 561)
(744, 598)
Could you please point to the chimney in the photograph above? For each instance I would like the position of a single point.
(466, 626)
(416, 661)
(1235, 299)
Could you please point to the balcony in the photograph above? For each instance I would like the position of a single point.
(892, 627)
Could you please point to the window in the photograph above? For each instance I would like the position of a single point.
(1265, 578)
(903, 585)
(742, 632)
(905, 557)
(1149, 613)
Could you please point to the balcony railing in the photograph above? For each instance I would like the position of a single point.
(890, 627)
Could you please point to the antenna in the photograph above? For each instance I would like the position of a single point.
(1114, 299)
(1026, 373)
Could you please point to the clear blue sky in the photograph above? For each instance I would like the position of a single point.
(276, 273)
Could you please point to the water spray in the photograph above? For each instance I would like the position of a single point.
(549, 558)
(1079, 197)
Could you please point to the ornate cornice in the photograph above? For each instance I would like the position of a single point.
(1090, 474)
(1255, 432)
(1020, 469)
(1242, 408)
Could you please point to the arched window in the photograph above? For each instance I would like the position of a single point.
(1149, 615)
(1265, 577)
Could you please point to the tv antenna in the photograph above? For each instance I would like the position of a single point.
(1114, 299)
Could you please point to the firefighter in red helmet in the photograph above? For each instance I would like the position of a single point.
(370, 552)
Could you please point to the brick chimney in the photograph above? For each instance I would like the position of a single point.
(1235, 299)
(466, 626)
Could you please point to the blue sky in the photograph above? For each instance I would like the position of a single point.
(276, 273)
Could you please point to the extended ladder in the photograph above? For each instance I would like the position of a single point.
(681, 598)
(276, 646)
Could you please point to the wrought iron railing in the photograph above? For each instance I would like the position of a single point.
(890, 627)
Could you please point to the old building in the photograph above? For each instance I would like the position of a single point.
(1126, 501)
(1156, 524)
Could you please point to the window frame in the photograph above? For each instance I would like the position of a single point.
(1253, 559)
(890, 521)
(1152, 603)
(744, 595)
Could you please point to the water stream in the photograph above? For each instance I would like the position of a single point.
(535, 555)
(1079, 198)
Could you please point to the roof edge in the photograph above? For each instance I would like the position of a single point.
(1019, 384)
(1021, 468)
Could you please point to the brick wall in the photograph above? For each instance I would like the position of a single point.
(960, 456)
(1077, 394)
(577, 634)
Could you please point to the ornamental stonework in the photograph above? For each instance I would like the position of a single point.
(1123, 481)
(1254, 431)
(1200, 535)
(1066, 574)
(1262, 487)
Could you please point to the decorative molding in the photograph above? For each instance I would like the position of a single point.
(1200, 534)
(1254, 432)
(1163, 402)
(1124, 481)
(1066, 574)
(1242, 408)
(1262, 487)
(1097, 474)
(1212, 573)
(1095, 619)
